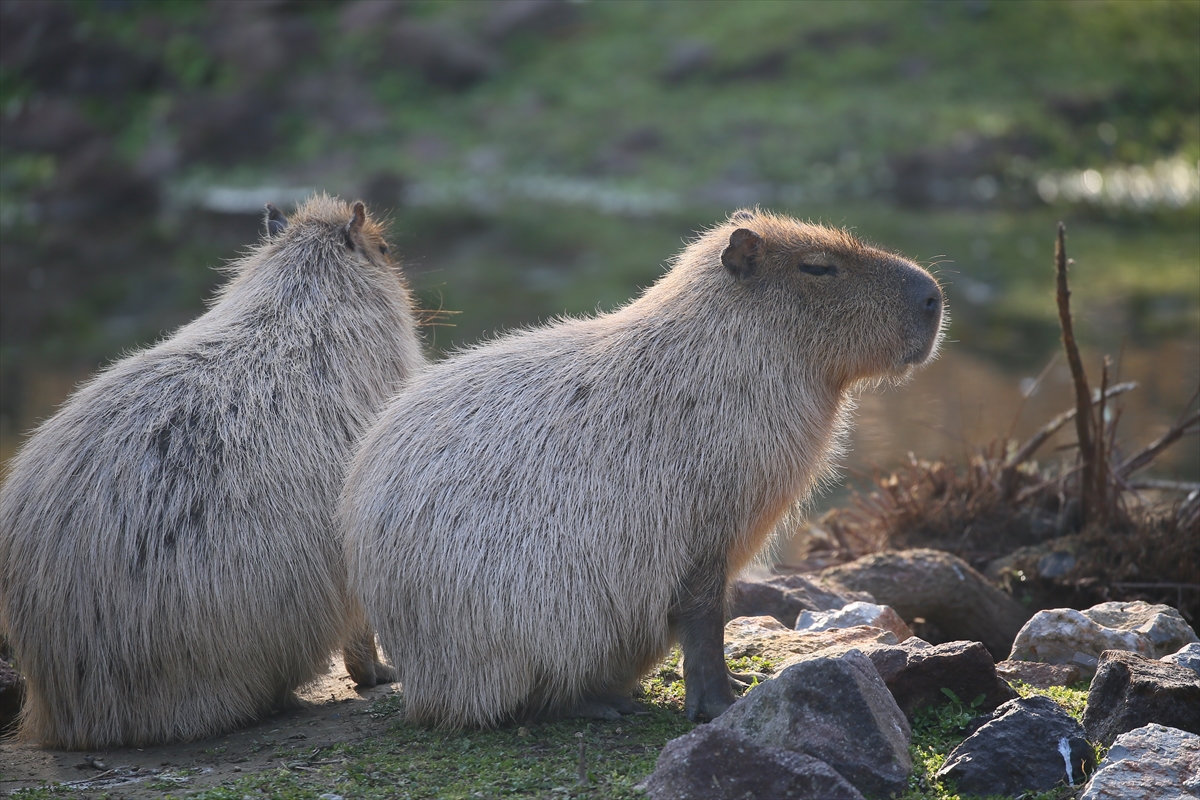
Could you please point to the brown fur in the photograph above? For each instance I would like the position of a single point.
(169, 566)
(533, 521)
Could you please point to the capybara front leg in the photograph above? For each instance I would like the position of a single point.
(699, 623)
(604, 705)
(705, 676)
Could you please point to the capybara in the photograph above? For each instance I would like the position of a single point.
(170, 566)
(532, 522)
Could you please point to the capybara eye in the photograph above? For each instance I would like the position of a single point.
(818, 269)
(383, 248)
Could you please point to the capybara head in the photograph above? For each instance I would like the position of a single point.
(864, 313)
(331, 226)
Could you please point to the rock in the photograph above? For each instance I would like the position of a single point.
(1067, 636)
(1029, 745)
(915, 672)
(12, 694)
(766, 637)
(1130, 691)
(785, 596)
(1153, 762)
(226, 128)
(359, 17)
(1037, 674)
(1188, 656)
(530, 17)
(687, 59)
(940, 588)
(444, 56)
(94, 186)
(837, 710)
(46, 124)
(857, 613)
(716, 763)
(1162, 625)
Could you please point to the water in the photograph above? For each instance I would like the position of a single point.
(550, 247)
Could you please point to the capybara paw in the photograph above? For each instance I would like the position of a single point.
(367, 674)
(608, 706)
(706, 705)
(743, 680)
(384, 674)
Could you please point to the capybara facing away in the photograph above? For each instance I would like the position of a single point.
(532, 522)
(169, 563)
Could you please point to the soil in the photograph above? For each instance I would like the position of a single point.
(331, 711)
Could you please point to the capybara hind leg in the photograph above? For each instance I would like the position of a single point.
(362, 660)
(605, 705)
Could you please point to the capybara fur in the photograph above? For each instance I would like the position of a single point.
(170, 566)
(532, 522)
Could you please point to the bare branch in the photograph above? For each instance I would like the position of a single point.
(1083, 408)
(1181, 428)
(1052, 427)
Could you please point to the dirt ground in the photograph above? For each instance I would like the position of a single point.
(331, 712)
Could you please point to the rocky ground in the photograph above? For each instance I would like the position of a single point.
(853, 705)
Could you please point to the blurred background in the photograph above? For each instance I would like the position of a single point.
(539, 157)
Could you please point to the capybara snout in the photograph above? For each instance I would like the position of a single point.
(926, 300)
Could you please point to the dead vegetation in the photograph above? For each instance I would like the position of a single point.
(1079, 529)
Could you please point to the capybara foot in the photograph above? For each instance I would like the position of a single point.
(604, 706)
(367, 674)
(707, 700)
(744, 680)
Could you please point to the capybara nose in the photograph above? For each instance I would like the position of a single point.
(927, 296)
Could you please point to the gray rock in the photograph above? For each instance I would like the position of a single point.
(941, 589)
(716, 763)
(1037, 674)
(837, 710)
(856, 613)
(785, 596)
(1130, 691)
(1028, 745)
(766, 637)
(1188, 656)
(1162, 625)
(1153, 762)
(1067, 636)
(916, 672)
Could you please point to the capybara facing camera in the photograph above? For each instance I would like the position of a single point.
(169, 563)
(532, 522)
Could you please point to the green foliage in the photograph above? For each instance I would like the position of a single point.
(1072, 698)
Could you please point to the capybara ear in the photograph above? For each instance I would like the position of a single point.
(354, 226)
(275, 221)
(742, 255)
